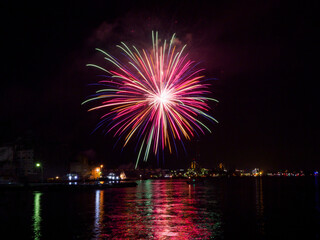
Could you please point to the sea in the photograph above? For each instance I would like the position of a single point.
(218, 208)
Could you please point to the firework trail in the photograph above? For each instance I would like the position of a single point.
(156, 97)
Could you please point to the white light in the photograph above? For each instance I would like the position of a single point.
(75, 177)
(70, 177)
(163, 97)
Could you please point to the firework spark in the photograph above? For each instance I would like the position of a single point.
(157, 97)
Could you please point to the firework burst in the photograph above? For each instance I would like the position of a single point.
(157, 97)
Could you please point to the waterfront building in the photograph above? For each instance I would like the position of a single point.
(81, 167)
(17, 161)
(26, 162)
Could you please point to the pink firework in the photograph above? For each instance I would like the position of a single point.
(158, 98)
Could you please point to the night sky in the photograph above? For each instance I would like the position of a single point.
(261, 52)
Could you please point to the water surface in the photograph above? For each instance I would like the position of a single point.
(226, 208)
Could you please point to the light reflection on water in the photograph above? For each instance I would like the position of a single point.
(159, 210)
(99, 212)
(36, 215)
(261, 208)
(316, 184)
(317, 203)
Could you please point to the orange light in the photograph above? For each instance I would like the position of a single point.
(97, 169)
(101, 166)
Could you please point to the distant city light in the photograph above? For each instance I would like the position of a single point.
(123, 175)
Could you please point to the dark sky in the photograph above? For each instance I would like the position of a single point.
(262, 53)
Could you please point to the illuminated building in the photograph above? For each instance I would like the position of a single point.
(221, 167)
(194, 164)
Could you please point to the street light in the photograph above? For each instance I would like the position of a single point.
(39, 165)
(101, 166)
